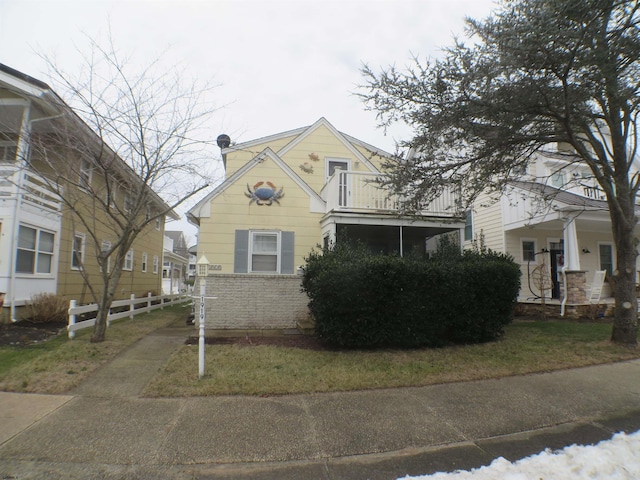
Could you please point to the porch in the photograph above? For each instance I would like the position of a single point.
(358, 208)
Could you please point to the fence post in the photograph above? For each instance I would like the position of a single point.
(148, 302)
(72, 318)
(132, 306)
(162, 301)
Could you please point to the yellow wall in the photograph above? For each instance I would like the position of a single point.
(306, 155)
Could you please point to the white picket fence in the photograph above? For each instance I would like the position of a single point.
(136, 306)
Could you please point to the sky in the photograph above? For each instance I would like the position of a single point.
(276, 65)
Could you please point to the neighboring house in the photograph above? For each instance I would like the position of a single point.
(175, 263)
(554, 220)
(283, 196)
(42, 248)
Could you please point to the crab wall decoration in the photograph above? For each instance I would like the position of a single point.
(264, 193)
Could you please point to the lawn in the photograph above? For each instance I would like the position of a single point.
(527, 347)
(60, 364)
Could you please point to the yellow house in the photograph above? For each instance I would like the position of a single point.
(44, 248)
(284, 195)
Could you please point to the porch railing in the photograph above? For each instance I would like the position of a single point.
(359, 191)
(31, 186)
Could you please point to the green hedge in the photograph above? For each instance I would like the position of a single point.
(362, 300)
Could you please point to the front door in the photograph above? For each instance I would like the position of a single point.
(557, 262)
(343, 191)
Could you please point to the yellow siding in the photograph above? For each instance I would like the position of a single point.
(233, 211)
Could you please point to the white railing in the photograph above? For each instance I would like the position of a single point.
(135, 306)
(33, 188)
(359, 191)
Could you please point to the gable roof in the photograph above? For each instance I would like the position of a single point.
(300, 135)
(48, 100)
(197, 211)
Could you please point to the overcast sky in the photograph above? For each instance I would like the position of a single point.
(279, 65)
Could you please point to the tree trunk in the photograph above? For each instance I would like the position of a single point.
(625, 320)
(106, 299)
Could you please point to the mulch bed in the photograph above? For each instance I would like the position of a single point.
(24, 332)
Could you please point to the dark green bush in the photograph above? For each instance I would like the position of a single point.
(364, 300)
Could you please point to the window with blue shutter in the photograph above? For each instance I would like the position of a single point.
(260, 251)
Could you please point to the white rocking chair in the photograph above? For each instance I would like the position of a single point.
(596, 286)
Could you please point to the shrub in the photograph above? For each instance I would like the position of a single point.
(364, 300)
(47, 308)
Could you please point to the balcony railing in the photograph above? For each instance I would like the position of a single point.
(348, 191)
(31, 186)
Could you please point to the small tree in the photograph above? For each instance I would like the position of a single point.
(124, 152)
(537, 73)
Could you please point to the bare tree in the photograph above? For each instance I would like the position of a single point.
(127, 150)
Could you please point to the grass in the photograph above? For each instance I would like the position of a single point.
(527, 347)
(60, 364)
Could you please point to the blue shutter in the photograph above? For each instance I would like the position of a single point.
(287, 253)
(241, 252)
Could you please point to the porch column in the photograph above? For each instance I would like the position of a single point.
(571, 257)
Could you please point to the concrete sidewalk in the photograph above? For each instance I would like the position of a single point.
(104, 430)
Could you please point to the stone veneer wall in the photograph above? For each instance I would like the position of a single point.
(253, 302)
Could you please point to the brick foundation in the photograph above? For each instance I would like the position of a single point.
(253, 302)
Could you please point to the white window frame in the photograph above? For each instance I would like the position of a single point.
(37, 252)
(278, 254)
(83, 240)
(85, 175)
(532, 240)
(468, 215)
(145, 260)
(106, 245)
(158, 223)
(156, 264)
(128, 261)
(128, 202)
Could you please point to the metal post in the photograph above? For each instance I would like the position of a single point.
(203, 291)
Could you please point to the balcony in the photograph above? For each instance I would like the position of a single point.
(358, 192)
(33, 189)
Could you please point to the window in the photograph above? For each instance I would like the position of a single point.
(339, 164)
(8, 152)
(144, 261)
(528, 250)
(158, 223)
(156, 264)
(77, 252)
(106, 246)
(35, 251)
(264, 252)
(557, 179)
(85, 174)
(468, 226)
(605, 253)
(110, 196)
(128, 203)
(128, 261)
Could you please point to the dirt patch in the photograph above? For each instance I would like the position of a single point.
(23, 333)
(307, 342)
